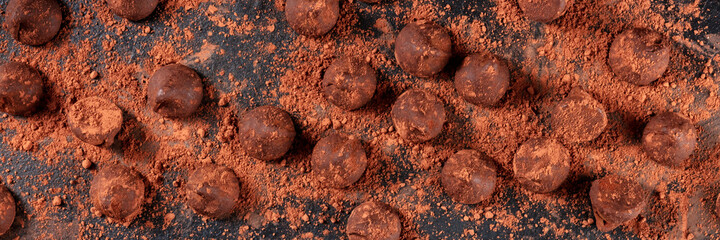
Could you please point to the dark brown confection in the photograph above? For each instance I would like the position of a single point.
(541, 165)
(95, 121)
(33, 22)
(21, 88)
(616, 200)
(312, 17)
(338, 161)
(7, 210)
(134, 10)
(371, 1)
(418, 115)
(468, 177)
(670, 139)
(544, 10)
(423, 48)
(118, 192)
(266, 132)
(175, 91)
(639, 56)
(482, 79)
(373, 220)
(349, 83)
(578, 117)
(213, 191)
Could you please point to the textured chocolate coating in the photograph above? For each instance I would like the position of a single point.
(266, 132)
(616, 200)
(423, 48)
(371, 1)
(639, 56)
(418, 115)
(134, 10)
(95, 121)
(33, 22)
(312, 17)
(541, 165)
(578, 117)
(544, 10)
(349, 83)
(7, 210)
(373, 220)
(670, 139)
(482, 79)
(468, 177)
(213, 191)
(21, 88)
(118, 192)
(175, 91)
(338, 160)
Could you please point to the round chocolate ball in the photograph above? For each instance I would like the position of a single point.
(639, 56)
(423, 48)
(544, 10)
(669, 139)
(468, 177)
(213, 191)
(418, 115)
(33, 22)
(266, 132)
(175, 91)
(373, 220)
(118, 192)
(482, 79)
(21, 88)
(338, 160)
(134, 10)
(7, 210)
(95, 121)
(312, 17)
(349, 83)
(616, 200)
(578, 117)
(541, 165)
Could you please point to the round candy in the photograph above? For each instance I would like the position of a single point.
(312, 17)
(616, 200)
(670, 139)
(578, 117)
(134, 10)
(541, 165)
(33, 22)
(544, 10)
(213, 191)
(482, 79)
(95, 121)
(468, 177)
(175, 91)
(423, 48)
(349, 83)
(338, 161)
(373, 220)
(639, 56)
(266, 132)
(21, 88)
(7, 210)
(418, 115)
(118, 192)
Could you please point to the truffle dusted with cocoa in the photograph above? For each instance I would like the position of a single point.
(373, 220)
(418, 115)
(21, 88)
(482, 79)
(338, 160)
(213, 191)
(670, 139)
(175, 91)
(468, 177)
(616, 200)
(423, 48)
(544, 10)
(312, 18)
(578, 117)
(95, 121)
(266, 132)
(134, 10)
(541, 165)
(349, 83)
(639, 56)
(7, 209)
(118, 192)
(33, 22)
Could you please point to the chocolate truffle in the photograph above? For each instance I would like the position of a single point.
(312, 17)
(7, 210)
(468, 177)
(639, 56)
(373, 220)
(33, 22)
(175, 91)
(349, 83)
(423, 48)
(266, 132)
(95, 121)
(541, 165)
(213, 191)
(338, 160)
(134, 10)
(482, 79)
(418, 115)
(21, 88)
(616, 200)
(118, 192)
(544, 10)
(669, 139)
(578, 117)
